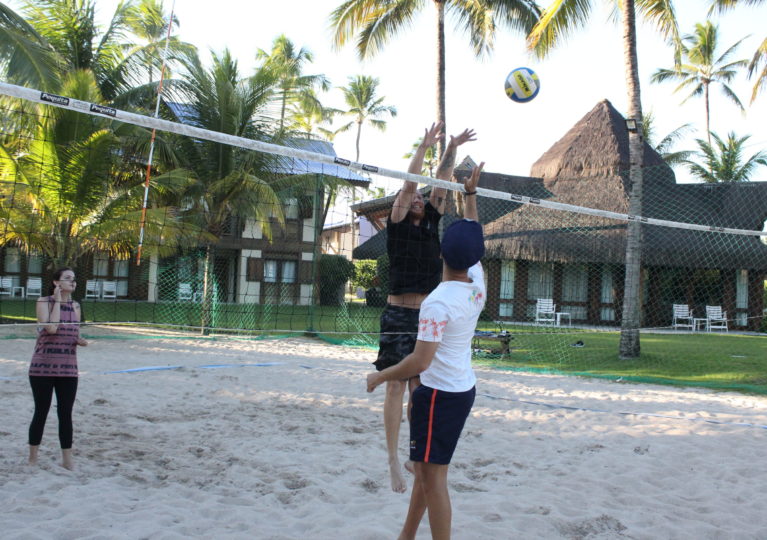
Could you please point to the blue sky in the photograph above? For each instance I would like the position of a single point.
(511, 136)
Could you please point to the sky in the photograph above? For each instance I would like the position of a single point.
(588, 67)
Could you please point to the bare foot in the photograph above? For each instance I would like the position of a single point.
(33, 454)
(409, 467)
(66, 460)
(398, 482)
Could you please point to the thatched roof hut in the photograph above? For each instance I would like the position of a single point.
(589, 167)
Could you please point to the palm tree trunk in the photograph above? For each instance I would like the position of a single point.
(440, 5)
(631, 318)
(207, 292)
(708, 113)
(359, 132)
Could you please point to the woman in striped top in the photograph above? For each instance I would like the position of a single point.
(54, 363)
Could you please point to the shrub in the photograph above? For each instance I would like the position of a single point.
(364, 274)
(335, 271)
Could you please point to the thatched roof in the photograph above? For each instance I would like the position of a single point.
(587, 168)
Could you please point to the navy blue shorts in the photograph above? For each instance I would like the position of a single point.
(436, 422)
(399, 330)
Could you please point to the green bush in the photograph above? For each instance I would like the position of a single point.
(335, 271)
(364, 274)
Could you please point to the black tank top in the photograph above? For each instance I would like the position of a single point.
(414, 261)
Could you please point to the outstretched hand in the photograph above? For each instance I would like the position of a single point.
(432, 135)
(473, 180)
(466, 136)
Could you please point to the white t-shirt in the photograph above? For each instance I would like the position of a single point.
(449, 316)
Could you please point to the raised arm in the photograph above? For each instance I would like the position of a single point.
(405, 196)
(446, 166)
(470, 193)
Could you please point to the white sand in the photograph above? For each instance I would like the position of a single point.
(296, 451)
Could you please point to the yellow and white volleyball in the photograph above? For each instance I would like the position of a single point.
(522, 85)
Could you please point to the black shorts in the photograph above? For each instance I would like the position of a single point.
(436, 422)
(399, 329)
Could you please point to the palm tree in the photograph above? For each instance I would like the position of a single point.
(229, 182)
(365, 106)
(702, 68)
(288, 65)
(555, 23)
(724, 162)
(69, 29)
(429, 159)
(308, 115)
(665, 144)
(148, 22)
(759, 60)
(59, 193)
(375, 22)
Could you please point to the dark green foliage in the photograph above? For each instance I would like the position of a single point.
(335, 271)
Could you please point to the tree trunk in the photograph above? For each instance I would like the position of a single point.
(631, 318)
(440, 5)
(708, 113)
(207, 292)
(357, 142)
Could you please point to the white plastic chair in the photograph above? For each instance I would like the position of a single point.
(716, 319)
(109, 289)
(6, 286)
(92, 288)
(34, 286)
(682, 317)
(185, 292)
(545, 311)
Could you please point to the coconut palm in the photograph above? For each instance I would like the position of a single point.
(555, 23)
(724, 161)
(69, 28)
(375, 22)
(59, 195)
(288, 65)
(758, 64)
(230, 182)
(308, 116)
(665, 144)
(429, 159)
(702, 67)
(365, 107)
(147, 21)
(25, 57)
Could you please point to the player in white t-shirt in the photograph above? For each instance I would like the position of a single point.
(442, 357)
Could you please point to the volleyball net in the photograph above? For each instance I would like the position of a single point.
(281, 236)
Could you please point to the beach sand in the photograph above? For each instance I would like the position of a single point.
(293, 448)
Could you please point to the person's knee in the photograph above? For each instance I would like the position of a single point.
(395, 388)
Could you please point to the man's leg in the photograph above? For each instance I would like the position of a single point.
(413, 383)
(437, 499)
(417, 506)
(392, 421)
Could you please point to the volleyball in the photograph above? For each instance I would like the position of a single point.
(522, 85)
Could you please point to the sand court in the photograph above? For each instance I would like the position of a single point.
(277, 439)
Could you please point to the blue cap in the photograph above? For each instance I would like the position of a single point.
(463, 244)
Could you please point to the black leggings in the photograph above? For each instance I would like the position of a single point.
(42, 391)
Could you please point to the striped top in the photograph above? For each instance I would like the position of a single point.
(56, 354)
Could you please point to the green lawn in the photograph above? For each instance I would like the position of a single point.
(721, 361)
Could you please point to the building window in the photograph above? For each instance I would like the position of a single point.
(35, 264)
(12, 260)
(508, 276)
(540, 284)
(122, 267)
(101, 265)
(607, 295)
(280, 282)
